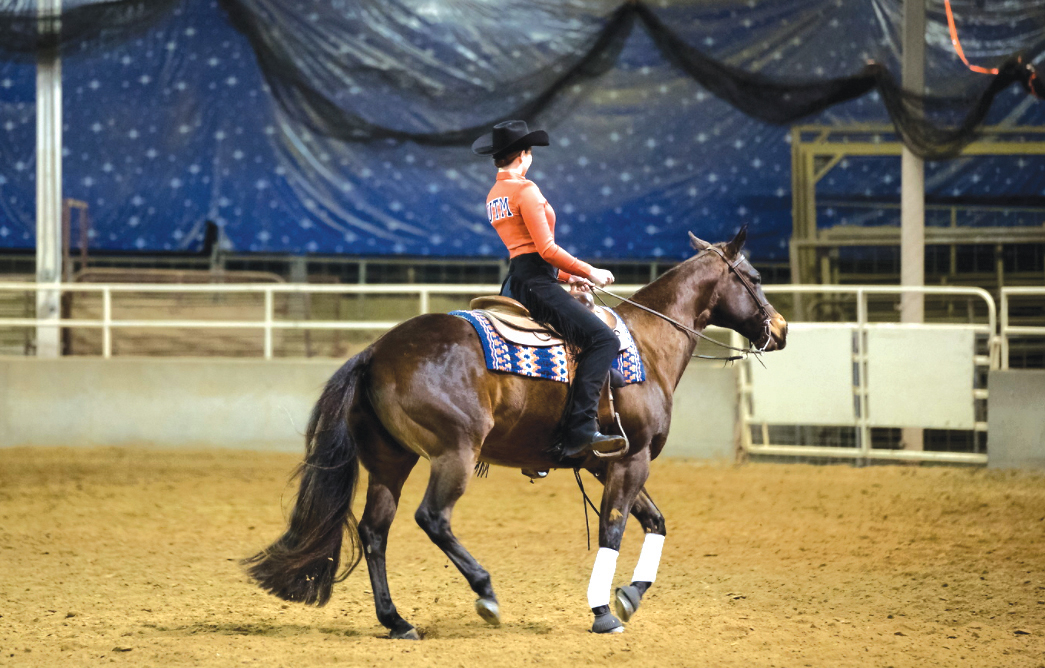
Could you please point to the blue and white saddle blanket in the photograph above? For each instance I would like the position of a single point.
(547, 362)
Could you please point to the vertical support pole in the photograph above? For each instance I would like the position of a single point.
(743, 439)
(863, 424)
(954, 247)
(106, 322)
(799, 179)
(268, 323)
(1004, 332)
(85, 238)
(299, 305)
(67, 243)
(999, 265)
(912, 196)
(49, 184)
(425, 305)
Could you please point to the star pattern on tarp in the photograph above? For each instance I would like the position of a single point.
(177, 127)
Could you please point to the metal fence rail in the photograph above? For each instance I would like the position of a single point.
(864, 451)
(1007, 330)
(268, 322)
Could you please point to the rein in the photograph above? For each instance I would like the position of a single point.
(762, 307)
(684, 328)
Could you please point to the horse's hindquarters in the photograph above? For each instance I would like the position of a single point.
(431, 390)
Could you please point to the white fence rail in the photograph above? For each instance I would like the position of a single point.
(1013, 331)
(858, 387)
(856, 357)
(268, 322)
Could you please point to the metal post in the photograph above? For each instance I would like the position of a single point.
(1004, 331)
(49, 185)
(107, 323)
(744, 407)
(863, 424)
(912, 196)
(954, 247)
(268, 323)
(999, 264)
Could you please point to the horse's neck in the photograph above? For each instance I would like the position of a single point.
(684, 295)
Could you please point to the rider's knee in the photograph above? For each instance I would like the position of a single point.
(604, 337)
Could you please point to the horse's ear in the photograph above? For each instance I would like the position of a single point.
(698, 244)
(733, 247)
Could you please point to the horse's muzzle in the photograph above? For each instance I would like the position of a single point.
(775, 337)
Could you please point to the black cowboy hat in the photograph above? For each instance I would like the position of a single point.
(509, 136)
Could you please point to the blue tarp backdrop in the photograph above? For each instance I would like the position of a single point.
(177, 126)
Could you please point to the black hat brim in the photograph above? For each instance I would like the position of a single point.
(484, 145)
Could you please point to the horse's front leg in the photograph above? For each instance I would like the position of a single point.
(622, 483)
(649, 516)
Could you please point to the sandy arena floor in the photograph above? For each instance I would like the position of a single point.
(130, 557)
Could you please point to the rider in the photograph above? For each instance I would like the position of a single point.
(525, 222)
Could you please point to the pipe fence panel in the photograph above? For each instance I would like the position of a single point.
(895, 377)
(1012, 298)
(851, 375)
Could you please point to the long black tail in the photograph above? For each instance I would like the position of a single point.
(303, 564)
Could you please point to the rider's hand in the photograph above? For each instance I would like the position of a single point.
(601, 277)
(578, 283)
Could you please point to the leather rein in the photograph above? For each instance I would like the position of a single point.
(763, 308)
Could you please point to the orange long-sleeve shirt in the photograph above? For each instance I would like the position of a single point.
(525, 221)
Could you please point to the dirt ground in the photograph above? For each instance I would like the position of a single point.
(130, 557)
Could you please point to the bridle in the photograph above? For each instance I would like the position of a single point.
(763, 304)
(763, 309)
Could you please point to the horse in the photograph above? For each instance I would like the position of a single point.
(423, 390)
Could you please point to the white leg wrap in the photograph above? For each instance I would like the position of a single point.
(602, 577)
(649, 559)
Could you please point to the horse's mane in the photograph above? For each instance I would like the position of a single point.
(657, 290)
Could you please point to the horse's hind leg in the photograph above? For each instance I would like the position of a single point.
(388, 466)
(450, 473)
(649, 516)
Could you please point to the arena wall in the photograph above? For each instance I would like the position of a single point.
(1016, 421)
(248, 404)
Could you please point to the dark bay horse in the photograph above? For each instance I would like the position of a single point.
(423, 390)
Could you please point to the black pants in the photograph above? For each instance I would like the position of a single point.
(532, 281)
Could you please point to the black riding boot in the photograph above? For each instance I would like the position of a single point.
(531, 280)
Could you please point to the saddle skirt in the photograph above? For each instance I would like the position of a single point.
(515, 343)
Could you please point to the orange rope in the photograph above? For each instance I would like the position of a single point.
(958, 45)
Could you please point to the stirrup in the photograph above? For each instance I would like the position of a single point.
(620, 452)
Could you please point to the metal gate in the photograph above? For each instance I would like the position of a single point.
(861, 375)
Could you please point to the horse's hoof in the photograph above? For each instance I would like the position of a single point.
(627, 602)
(406, 633)
(607, 623)
(488, 610)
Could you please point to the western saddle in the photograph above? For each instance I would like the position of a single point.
(514, 323)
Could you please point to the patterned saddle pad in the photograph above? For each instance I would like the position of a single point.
(547, 362)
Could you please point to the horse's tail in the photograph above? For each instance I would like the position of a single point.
(303, 564)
